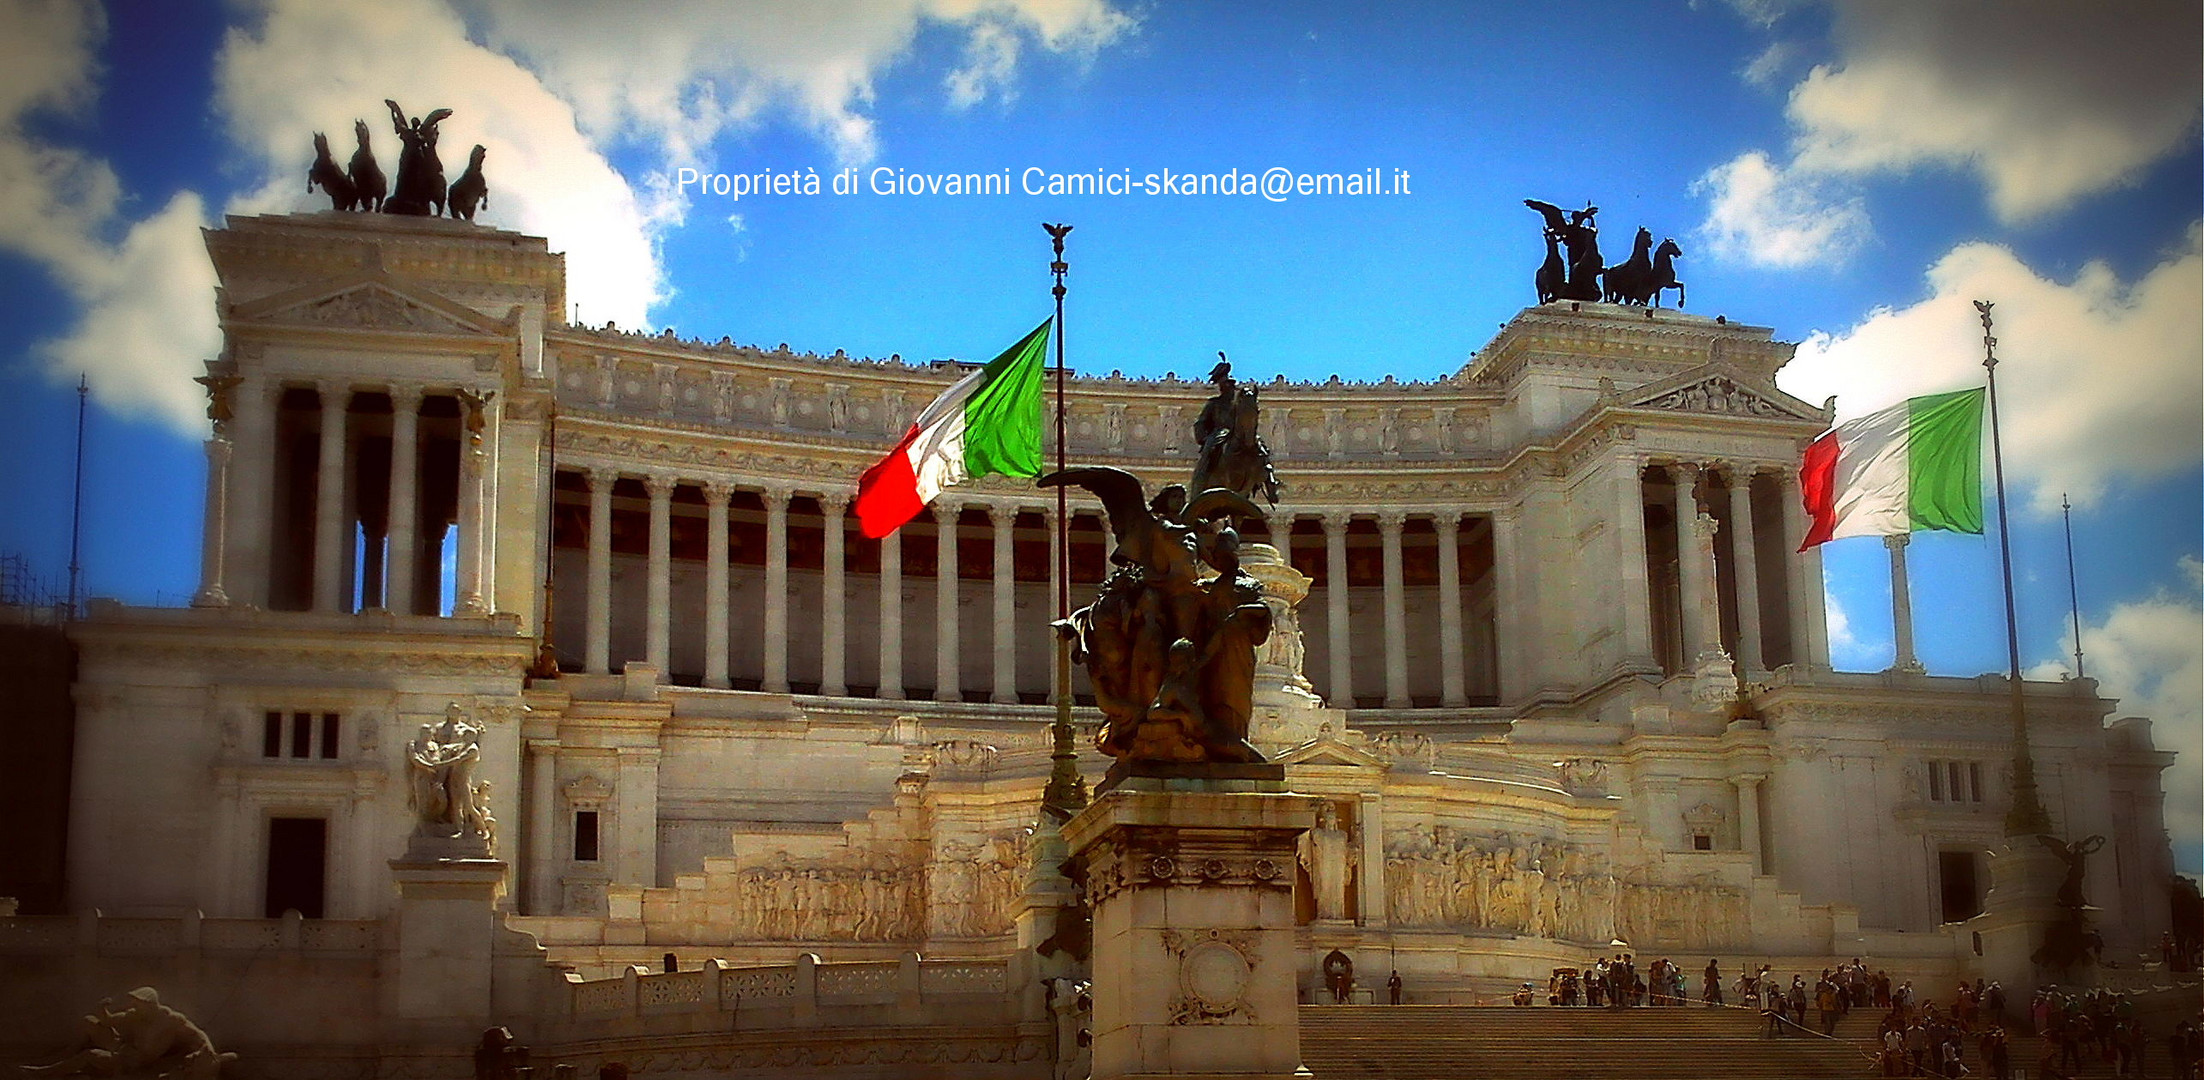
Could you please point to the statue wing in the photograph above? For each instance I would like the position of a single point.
(1217, 502)
(1555, 220)
(1120, 491)
(435, 118)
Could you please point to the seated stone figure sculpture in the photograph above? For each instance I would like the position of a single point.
(134, 1036)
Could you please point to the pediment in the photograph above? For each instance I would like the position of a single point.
(370, 301)
(1327, 750)
(1721, 391)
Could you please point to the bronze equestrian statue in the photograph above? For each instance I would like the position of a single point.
(419, 190)
(333, 182)
(470, 191)
(1580, 236)
(1230, 451)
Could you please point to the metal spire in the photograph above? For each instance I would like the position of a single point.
(1066, 793)
(2073, 591)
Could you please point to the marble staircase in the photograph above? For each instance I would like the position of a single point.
(1448, 1042)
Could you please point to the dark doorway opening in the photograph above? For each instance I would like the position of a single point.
(297, 865)
(1962, 894)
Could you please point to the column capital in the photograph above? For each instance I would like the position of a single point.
(717, 492)
(776, 495)
(405, 397)
(833, 504)
(1748, 779)
(1738, 470)
(659, 485)
(335, 394)
(1447, 522)
(601, 477)
(1391, 521)
(1003, 515)
(1683, 471)
(1897, 541)
(1336, 521)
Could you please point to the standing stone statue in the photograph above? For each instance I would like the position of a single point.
(1230, 452)
(449, 800)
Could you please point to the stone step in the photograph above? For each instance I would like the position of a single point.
(1446, 1042)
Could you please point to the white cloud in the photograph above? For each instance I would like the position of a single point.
(1769, 66)
(2100, 381)
(1767, 215)
(2149, 653)
(309, 66)
(2047, 100)
(679, 73)
(1848, 651)
(146, 312)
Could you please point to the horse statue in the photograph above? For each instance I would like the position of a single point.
(332, 180)
(1580, 236)
(1664, 273)
(367, 177)
(420, 187)
(470, 190)
(1553, 272)
(1630, 281)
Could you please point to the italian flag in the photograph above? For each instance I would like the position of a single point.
(989, 422)
(1913, 466)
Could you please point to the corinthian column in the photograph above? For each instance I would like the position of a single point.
(1341, 642)
(597, 648)
(329, 537)
(1744, 555)
(1809, 627)
(891, 616)
(946, 685)
(1452, 688)
(215, 528)
(1692, 578)
(1637, 601)
(1901, 606)
(1005, 520)
(658, 629)
(833, 633)
(474, 514)
(716, 494)
(776, 589)
(402, 580)
(1390, 523)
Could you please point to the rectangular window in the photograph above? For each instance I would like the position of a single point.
(1936, 781)
(1958, 780)
(1974, 780)
(302, 734)
(271, 735)
(1702, 842)
(585, 836)
(329, 735)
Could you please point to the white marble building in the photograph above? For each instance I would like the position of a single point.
(1569, 680)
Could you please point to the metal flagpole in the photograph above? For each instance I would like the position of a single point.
(1066, 793)
(2027, 816)
(76, 505)
(2073, 591)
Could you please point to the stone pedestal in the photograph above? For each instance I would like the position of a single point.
(448, 888)
(1287, 710)
(1191, 885)
(2020, 908)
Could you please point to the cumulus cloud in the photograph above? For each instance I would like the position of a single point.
(2149, 653)
(1762, 213)
(2100, 381)
(693, 68)
(145, 316)
(309, 66)
(1848, 651)
(2046, 100)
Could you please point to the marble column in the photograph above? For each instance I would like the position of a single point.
(1452, 689)
(658, 631)
(1341, 693)
(833, 599)
(776, 589)
(1281, 534)
(1748, 818)
(891, 616)
(329, 532)
(1809, 631)
(1744, 557)
(1005, 519)
(215, 529)
(1390, 524)
(543, 884)
(401, 580)
(947, 686)
(252, 490)
(1691, 577)
(474, 516)
(1901, 605)
(1631, 570)
(716, 494)
(597, 647)
(1508, 604)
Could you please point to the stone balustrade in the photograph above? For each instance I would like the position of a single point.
(808, 992)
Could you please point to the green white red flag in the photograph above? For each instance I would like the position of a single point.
(989, 422)
(1916, 465)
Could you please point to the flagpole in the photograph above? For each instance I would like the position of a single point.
(1065, 794)
(76, 503)
(2027, 816)
(2073, 591)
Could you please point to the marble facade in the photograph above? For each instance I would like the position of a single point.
(1558, 675)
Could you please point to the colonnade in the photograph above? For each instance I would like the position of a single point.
(394, 467)
(1732, 565)
(779, 616)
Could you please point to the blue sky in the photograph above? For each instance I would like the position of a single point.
(1850, 174)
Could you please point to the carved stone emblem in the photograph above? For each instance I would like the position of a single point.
(1215, 968)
